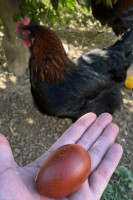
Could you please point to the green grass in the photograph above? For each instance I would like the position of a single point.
(120, 186)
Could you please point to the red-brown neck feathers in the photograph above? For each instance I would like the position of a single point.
(50, 56)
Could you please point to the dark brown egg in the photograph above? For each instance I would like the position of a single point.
(64, 171)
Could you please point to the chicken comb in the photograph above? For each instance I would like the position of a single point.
(24, 22)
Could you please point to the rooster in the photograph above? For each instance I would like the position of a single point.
(63, 88)
(119, 16)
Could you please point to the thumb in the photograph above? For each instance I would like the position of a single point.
(6, 156)
(11, 184)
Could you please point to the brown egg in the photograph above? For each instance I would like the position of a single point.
(63, 171)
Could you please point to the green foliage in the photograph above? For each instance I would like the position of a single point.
(108, 2)
(119, 186)
(54, 4)
(58, 11)
(55, 11)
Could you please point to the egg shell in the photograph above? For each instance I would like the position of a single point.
(64, 171)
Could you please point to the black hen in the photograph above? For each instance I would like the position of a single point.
(119, 16)
(62, 88)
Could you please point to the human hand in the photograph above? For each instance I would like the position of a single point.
(96, 135)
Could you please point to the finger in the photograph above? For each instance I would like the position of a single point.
(99, 149)
(74, 133)
(95, 131)
(12, 187)
(9, 178)
(101, 176)
(82, 193)
(71, 136)
(6, 156)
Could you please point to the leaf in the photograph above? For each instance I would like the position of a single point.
(54, 4)
(121, 181)
(80, 2)
(88, 3)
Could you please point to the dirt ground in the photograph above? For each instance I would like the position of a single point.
(31, 133)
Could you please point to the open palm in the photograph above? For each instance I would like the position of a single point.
(96, 135)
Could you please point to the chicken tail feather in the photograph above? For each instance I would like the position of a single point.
(125, 44)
